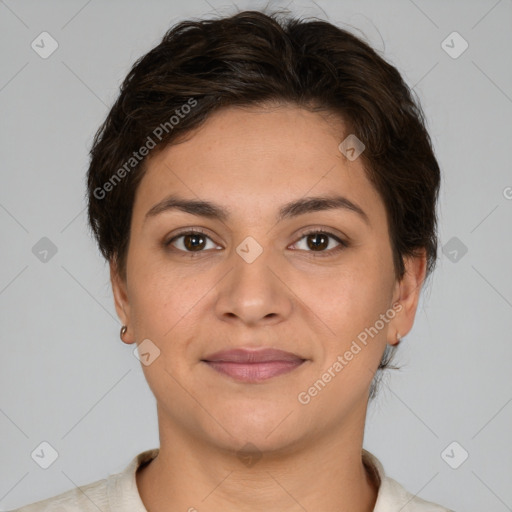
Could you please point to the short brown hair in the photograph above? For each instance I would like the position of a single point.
(253, 58)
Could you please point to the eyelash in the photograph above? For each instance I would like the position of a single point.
(342, 243)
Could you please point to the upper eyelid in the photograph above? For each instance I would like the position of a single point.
(321, 231)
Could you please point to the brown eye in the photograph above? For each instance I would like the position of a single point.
(317, 241)
(191, 241)
(194, 242)
(320, 242)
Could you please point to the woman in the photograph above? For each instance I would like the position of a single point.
(264, 191)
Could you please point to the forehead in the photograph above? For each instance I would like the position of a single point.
(255, 157)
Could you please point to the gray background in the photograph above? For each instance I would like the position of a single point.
(66, 378)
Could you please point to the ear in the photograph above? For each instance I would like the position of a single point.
(119, 290)
(407, 294)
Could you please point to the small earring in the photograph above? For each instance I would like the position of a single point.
(123, 332)
(398, 337)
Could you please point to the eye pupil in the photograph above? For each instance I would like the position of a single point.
(191, 241)
(318, 245)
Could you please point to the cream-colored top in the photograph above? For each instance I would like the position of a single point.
(119, 493)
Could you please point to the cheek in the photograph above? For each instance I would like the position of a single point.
(159, 304)
(349, 355)
(352, 296)
(166, 301)
(152, 297)
(358, 294)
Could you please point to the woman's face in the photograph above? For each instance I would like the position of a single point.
(254, 278)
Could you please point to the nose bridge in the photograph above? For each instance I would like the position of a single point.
(252, 291)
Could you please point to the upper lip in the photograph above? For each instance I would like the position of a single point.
(244, 355)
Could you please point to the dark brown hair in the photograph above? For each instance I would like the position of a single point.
(253, 58)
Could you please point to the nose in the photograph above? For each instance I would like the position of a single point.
(254, 293)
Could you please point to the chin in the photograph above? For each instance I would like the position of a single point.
(266, 425)
(257, 441)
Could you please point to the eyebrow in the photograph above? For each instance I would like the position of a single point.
(289, 210)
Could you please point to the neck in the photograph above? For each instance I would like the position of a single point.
(327, 474)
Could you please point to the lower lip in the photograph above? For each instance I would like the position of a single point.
(254, 372)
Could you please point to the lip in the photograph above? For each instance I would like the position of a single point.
(246, 365)
(246, 355)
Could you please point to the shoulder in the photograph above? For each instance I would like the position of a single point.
(392, 496)
(86, 498)
(116, 493)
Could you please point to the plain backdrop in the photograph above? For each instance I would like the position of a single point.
(66, 378)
